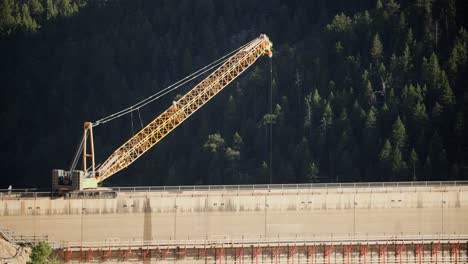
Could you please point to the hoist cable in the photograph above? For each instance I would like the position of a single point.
(168, 89)
(141, 121)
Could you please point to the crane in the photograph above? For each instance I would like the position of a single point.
(90, 176)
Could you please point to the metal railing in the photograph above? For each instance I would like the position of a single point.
(27, 240)
(259, 240)
(290, 186)
(35, 193)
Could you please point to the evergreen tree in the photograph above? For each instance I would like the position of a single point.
(7, 18)
(397, 164)
(237, 142)
(36, 8)
(448, 97)
(327, 118)
(377, 49)
(51, 9)
(414, 162)
(371, 120)
(215, 143)
(398, 134)
(385, 158)
(308, 111)
(458, 59)
(312, 173)
(26, 20)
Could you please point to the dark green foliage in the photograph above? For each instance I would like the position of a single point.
(361, 90)
(40, 254)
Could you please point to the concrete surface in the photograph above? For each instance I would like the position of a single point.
(157, 215)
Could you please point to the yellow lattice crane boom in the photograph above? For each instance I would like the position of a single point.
(167, 121)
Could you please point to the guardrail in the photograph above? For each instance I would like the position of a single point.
(28, 240)
(290, 186)
(252, 240)
(34, 192)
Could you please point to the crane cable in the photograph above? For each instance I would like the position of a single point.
(154, 97)
(271, 124)
(77, 155)
(168, 89)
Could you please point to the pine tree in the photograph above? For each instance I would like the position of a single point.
(420, 115)
(377, 49)
(312, 173)
(406, 60)
(237, 142)
(459, 55)
(36, 7)
(51, 9)
(398, 134)
(28, 23)
(64, 8)
(385, 158)
(371, 119)
(447, 97)
(7, 18)
(397, 164)
(316, 100)
(379, 4)
(308, 111)
(431, 72)
(436, 114)
(327, 118)
(414, 162)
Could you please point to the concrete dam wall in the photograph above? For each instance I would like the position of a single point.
(244, 201)
(240, 213)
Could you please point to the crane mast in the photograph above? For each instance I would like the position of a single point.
(172, 117)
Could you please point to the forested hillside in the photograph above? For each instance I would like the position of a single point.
(361, 90)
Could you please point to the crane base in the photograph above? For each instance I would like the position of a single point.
(66, 181)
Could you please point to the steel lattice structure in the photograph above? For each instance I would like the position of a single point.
(182, 109)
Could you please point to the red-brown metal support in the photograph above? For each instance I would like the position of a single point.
(311, 253)
(67, 255)
(276, 253)
(399, 251)
(127, 254)
(164, 253)
(434, 251)
(292, 252)
(181, 252)
(89, 255)
(454, 252)
(239, 252)
(219, 255)
(364, 253)
(347, 252)
(145, 253)
(327, 253)
(383, 253)
(419, 253)
(106, 255)
(202, 253)
(255, 252)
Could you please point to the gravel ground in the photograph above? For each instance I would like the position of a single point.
(13, 254)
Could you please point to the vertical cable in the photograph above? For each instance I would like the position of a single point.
(141, 121)
(271, 124)
(131, 120)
